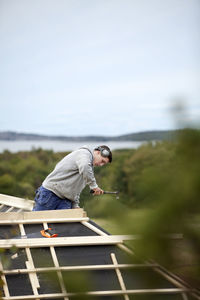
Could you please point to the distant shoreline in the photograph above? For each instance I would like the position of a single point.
(63, 146)
(140, 136)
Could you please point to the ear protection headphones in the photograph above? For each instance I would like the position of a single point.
(104, 152)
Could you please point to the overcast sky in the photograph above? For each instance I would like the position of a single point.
(98, 67)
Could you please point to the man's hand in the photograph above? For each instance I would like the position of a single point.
(98, 191)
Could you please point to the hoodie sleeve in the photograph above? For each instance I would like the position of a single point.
(84, 163)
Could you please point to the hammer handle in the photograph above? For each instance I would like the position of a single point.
(105, 192)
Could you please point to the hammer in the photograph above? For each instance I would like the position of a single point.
(107, 192)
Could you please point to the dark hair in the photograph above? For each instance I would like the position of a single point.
(105, 151)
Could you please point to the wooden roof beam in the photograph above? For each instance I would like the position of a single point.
(16, 202)
(64, 241)
(57, 216)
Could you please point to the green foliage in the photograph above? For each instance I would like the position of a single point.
(165, 177)
(129, 168)
(163, 180)
(21, 173)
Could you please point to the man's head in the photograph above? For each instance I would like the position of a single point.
(102, 155)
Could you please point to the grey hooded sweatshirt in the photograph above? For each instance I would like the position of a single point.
(71, 175)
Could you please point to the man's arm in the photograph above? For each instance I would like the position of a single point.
(85, 167)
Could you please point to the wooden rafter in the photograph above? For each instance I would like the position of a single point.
(104, 293)
(64, 241)
(77, 268)
(57, 216)
(16, 202)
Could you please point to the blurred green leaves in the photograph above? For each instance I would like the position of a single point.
(23, 172)
(162, 179)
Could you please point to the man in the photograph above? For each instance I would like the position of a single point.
(61, 189)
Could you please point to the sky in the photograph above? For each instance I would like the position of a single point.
(98, 67)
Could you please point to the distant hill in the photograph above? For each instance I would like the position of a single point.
(140, 136)
(149, 135)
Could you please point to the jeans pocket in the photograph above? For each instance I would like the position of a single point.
(50, 201)
(42, 196)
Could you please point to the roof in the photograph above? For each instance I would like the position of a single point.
(83, 253)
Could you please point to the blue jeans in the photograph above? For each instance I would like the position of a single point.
(47, 200)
